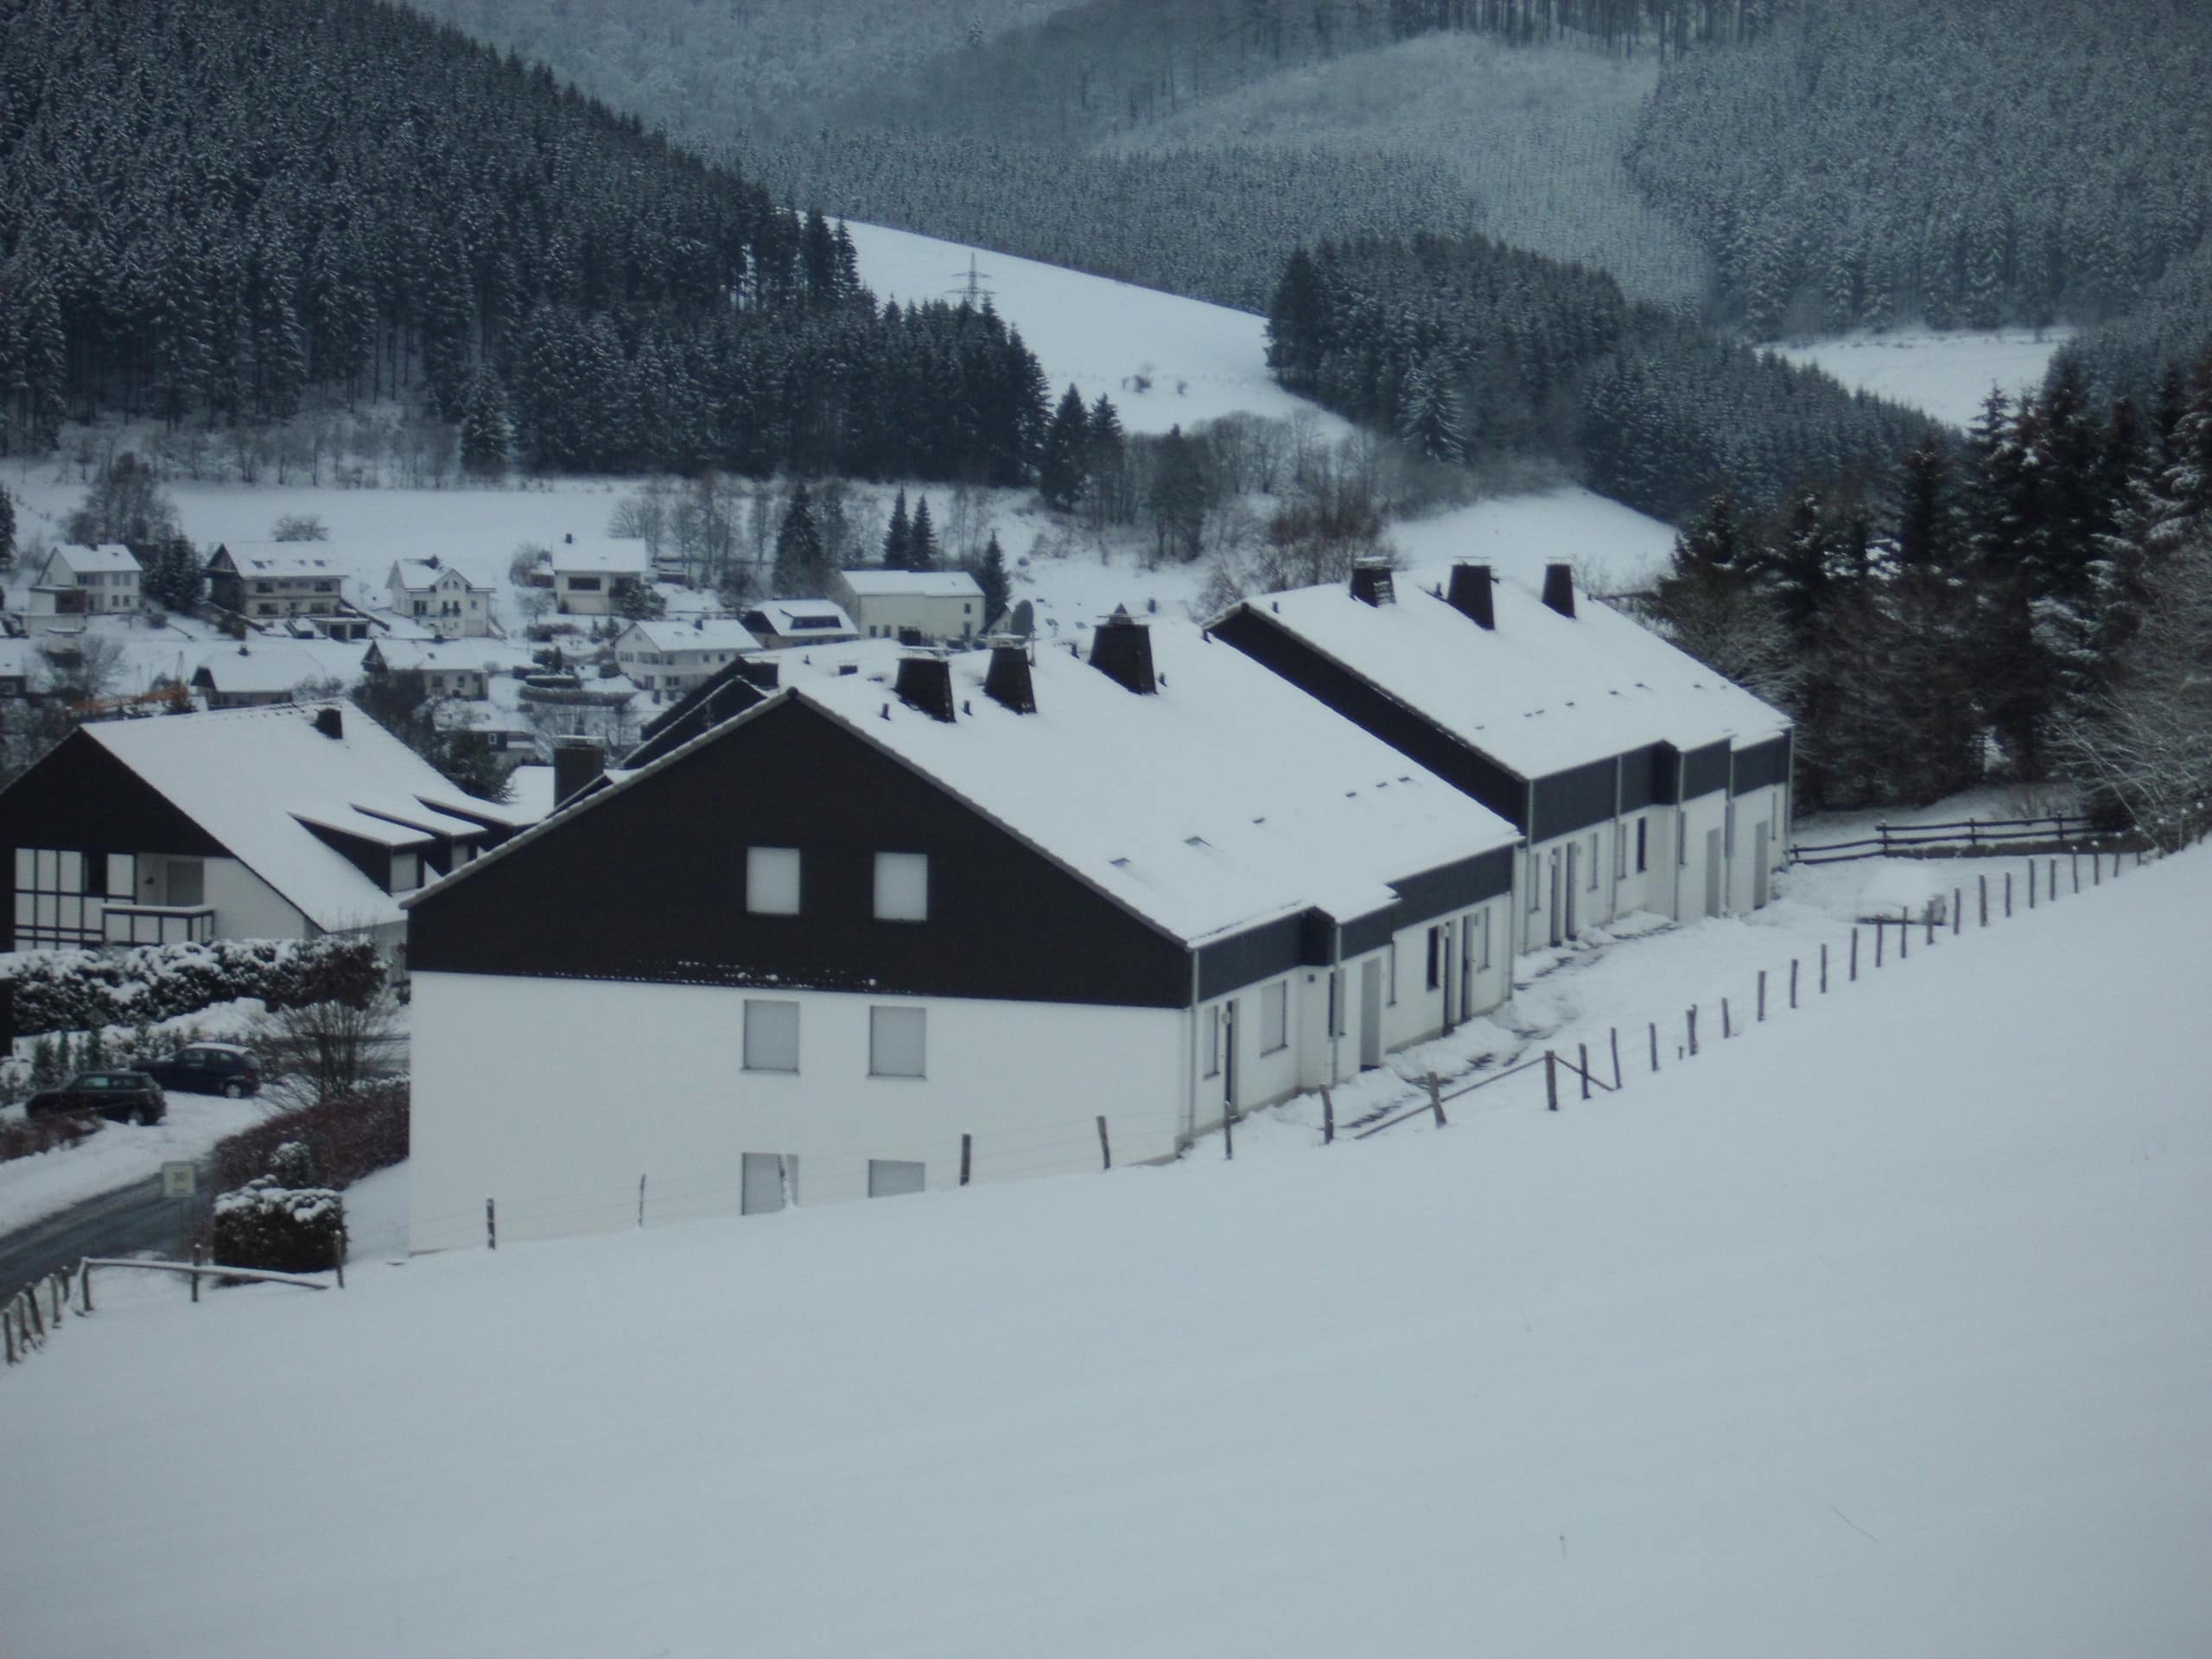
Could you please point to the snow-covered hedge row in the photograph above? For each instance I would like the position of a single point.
(334, 1143)
(82, 990)
(285, 1230)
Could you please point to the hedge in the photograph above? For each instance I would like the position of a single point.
(338, 1141)
(81, 991)
(284, 1230)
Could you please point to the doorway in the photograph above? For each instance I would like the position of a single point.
(1573, 888)
(1762, 835)
(1370, 1013)
(1713, 894)
(1556, 904)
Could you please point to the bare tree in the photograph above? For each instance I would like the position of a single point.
(319, 1050)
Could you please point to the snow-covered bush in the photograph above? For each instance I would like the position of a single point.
(82, 990)
(285, 1230)
(342, 1138)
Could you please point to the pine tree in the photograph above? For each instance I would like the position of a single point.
(899, 536)
(1061, 463)
(802, 562)
(921, 544)
(990, 574)
(7, 530)
(1432, 419)
(485, 433)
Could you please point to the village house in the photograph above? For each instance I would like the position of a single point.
(440, 598)
(275, 581)
(255, 675)
(449, 668)
(777, 623)
(80, 581)
(916, 606)
(667, 657)
(1639, 777)
(276, 822)
(589, 577)
(897, 931)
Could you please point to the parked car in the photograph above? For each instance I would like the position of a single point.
(207, 1069)
(125, 1096)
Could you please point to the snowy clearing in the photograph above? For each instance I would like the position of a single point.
(1204, 361)
(1874, 1330)
(1945, 375)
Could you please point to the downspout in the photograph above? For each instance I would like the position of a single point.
(1190, 1059)
(1528, 846)
(1682, 835)
(1339, 995)
(1620, 841)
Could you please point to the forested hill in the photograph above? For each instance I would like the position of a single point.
(210, 209)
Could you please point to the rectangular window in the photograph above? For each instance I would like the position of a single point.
(1209, 1056)
(771, 881)
(887, 1178)
(896, 1043)
(1643, 844)
(1480, 922)
(1593, 863)
(583, 584)
(1274, 1017)
(902, 888)
(771, 1036)
(1435, 957)
(406, 872)
(187, 882)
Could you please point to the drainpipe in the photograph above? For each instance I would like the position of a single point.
(1529, 842)
(1190, 1059)
(1339, 995)
(1682, 835)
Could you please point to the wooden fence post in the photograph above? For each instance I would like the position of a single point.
(1983, 880)
(1762, 1018)
(967, 1156)
(641, 1201)
(84, 1284)
(1583, 1052)
(491, 1228)
(1693, 1024)
(1436, 1099)
(2074, 865)
(1930, 919)
(29, 1300)
(2096, 869)
(1854, 954)
(2031, 884)
(1106, 1151)
(1877, 941)
(1228, 1132)
(195, 1273)
(1328, 1119)
(1824, 967)
(1655, 1044)
(2008, 895)
(340, 1263)
(59, 1292)
(1904, 934)
(1551, 1081)
(1958, 911)
(8, 1330)
(1614, 1033)
(1727, 1030)
(2054, 881)
(1793, 982)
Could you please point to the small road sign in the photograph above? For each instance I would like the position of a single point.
(180, 1180)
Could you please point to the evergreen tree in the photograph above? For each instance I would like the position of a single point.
(484, 429)
(921, 543)
(7, 530)
(1432, 420)
(898, 539)
(990, 574)
(802, 562)
(1062, 462)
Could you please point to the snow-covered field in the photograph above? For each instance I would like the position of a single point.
(1519, 535)
(1945, 375)
(1881, 1328)
(1204, 361)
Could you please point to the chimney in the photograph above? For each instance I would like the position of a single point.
(330, 723)
(1372, 584)
(1008, 681)
(759, 673)
(1122, 651)
(1559, 588)
(1469, 594)
(926, 685)
(577, 763)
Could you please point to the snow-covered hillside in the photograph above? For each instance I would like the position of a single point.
(1203, 361)
(1878, 1328)
(1945, 375)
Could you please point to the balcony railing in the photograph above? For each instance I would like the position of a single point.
(158, 923)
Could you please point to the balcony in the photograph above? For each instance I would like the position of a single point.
(157, 924)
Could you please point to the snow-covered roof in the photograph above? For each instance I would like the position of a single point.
(451, 656)
(533, 790)
(832, 658)
(614, 556)
(419, 575)
(105, 557)
(912, 584)
(363, 826)
(267, 669)
(1225, 800)
(242, 775)
(1541, 692)
(274, 561)
(699, 633)
(788, 617)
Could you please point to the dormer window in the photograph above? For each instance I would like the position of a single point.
(406, 872)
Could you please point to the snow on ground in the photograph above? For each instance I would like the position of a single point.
(1945, 375)
(1518, 534)
(1204, 361)
(1878, 1328)
(376, 1216)
(120, 1155)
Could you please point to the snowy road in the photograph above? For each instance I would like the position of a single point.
(121, 1223)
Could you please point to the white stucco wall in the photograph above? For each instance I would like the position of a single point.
(934, 619)
(553, 1097)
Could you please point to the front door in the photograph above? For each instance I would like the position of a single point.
(1713, 873)
(1760, 834)
(1370, 1013)
(1229, 1057)
(1574, 886)
(771, 1182)
(1556, 911)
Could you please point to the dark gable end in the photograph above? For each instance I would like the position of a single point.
(78, 798)
(647, 883)
(1760, 765)
(1375, 712)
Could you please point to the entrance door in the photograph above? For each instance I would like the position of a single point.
(771, 1182)
(1228, 1055)
(1573, 885)
(1760, 833)
(1556, 910)
(1468, 966)
(1371, 1014)
(1713, 873)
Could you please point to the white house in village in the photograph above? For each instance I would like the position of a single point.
(668, 656)
(80, 581)
(286, 822)
(900, 929)
(439, 597)
(1640, 779)
(589, 576)
(449, 668)
(778, 623)
(272, 581)
(920, 606)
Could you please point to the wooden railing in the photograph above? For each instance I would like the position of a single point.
(1967, 837)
